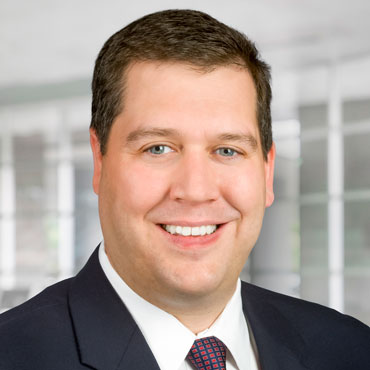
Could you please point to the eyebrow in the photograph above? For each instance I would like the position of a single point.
(246, 139)
(150, 132)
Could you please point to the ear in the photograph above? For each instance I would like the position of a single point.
(269, 176)
(98, 158)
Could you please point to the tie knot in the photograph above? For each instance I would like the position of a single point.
(208, 354)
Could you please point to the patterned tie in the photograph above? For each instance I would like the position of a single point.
(208, 354)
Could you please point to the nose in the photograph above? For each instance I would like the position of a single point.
(194, 179)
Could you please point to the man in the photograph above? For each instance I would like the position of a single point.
(183, 168)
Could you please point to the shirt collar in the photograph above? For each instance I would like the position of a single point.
(163, 330)
(231, 328)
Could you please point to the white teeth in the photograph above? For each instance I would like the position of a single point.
(203, 230)
(209, 229)
(195, 231)
(187, 230)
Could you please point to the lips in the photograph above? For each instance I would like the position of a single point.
(189, 230)
(187, 241)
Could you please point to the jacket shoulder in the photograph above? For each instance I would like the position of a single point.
(33, 333)
(329, 336)
(302, 310)
(54, 295)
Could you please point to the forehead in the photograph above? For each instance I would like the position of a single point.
(153, 75)
(179, 94)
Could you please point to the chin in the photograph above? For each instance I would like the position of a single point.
(197, 285)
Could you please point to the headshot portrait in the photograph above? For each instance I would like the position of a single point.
(184, 261)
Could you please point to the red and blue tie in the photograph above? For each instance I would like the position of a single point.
(208, 354)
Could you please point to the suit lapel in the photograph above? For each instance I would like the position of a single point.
(108, 337)
(279, 344)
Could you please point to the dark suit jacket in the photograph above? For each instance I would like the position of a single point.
(81, 323)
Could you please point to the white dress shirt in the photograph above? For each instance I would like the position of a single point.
(170, 341)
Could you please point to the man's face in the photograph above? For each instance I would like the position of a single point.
(183, 185)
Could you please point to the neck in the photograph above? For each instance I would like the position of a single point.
(199, 320)
(196, 313)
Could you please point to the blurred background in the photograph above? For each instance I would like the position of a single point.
(315, 241)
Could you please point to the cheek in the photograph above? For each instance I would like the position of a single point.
(139, 188)
(245, 190)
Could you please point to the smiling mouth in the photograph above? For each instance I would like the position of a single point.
(190, 231)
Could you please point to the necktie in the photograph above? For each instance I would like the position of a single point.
(208, 354)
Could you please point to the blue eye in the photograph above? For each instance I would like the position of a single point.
(226, 152)
(159, 149)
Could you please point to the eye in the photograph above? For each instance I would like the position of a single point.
(159, 149)
(226, 152)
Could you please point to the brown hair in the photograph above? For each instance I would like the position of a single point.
(186, 36)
